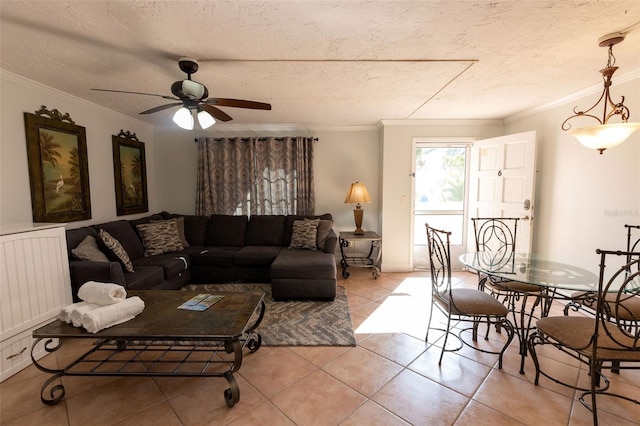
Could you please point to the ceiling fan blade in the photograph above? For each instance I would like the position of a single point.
(160, 108)
(215, 112)
(137, 93)
(238, 103)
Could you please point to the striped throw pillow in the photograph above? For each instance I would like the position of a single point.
(160, 237)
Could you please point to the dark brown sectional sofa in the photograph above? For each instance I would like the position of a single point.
(221, 249)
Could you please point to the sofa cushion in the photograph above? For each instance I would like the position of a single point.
(214, 256)
(171, 264)
(302, 264)
(88, 250)
(256, 255)
(75, 237)
(324, 227)
(115, 250)
(160, 237)
(288, 224)
(265, 230)
(180, 222)
(304, 235)
(147, 219)
(226, 230)
(123, 231)
(195, 227)
(144, 278)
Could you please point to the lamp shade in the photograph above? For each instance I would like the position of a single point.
(205, 120)
(183, 118)
(604, 136)
(357, 194)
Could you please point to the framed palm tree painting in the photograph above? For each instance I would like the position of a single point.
(130, 171)
(58, 171)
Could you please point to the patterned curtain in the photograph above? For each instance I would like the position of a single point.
(255, 176)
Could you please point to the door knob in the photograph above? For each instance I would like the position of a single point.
(525, 218)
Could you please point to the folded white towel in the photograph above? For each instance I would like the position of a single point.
(110, 315)
(102, 293)
(78, 312)
(65, 312)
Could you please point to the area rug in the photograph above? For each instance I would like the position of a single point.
(297, 322)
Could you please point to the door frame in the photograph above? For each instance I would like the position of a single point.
(466, 142)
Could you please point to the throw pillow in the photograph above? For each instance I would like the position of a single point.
(160, 237)
(305, 233)
(88, 250)
(324, 226)
(116, 249)
(180, 222)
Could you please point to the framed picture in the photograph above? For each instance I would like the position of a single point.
(130, 170)
(58, 172)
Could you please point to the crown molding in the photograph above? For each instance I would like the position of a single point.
(440, 122)
(32, 84)
(596, 89)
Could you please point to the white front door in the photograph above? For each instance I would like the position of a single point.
(502, 183)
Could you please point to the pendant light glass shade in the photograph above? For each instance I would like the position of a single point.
(183, 118)
(604, 136)
(205, 120)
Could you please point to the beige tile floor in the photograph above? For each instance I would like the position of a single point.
(391, 377)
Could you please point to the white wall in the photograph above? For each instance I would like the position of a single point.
(583, 199)
(20, 95)
(395, 175)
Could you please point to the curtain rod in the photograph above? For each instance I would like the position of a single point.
(249, 138)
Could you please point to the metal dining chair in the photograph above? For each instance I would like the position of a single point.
(582, 300)
(461, 304)
(602, 342)
(497, 238)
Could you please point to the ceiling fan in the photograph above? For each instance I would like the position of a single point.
(194, 98)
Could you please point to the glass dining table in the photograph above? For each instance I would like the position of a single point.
(556, 280)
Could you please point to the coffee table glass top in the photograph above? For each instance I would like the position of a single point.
(161, 318)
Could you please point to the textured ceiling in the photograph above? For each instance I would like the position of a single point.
(322, 63)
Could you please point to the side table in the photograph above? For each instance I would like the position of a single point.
(371, 260)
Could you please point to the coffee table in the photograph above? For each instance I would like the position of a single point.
(162, 341)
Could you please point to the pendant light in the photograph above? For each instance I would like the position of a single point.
(604, 135)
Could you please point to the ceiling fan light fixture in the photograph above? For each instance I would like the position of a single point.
(183, 118)
(205, 120)
(192, 89)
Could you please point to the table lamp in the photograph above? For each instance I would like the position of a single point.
(358, 194)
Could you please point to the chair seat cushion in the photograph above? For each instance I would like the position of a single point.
(628, 307)
(515, 286)
(577, 333)
(467, 301)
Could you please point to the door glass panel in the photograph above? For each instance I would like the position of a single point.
(440, 174)
(449, 222)
(439, 198)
